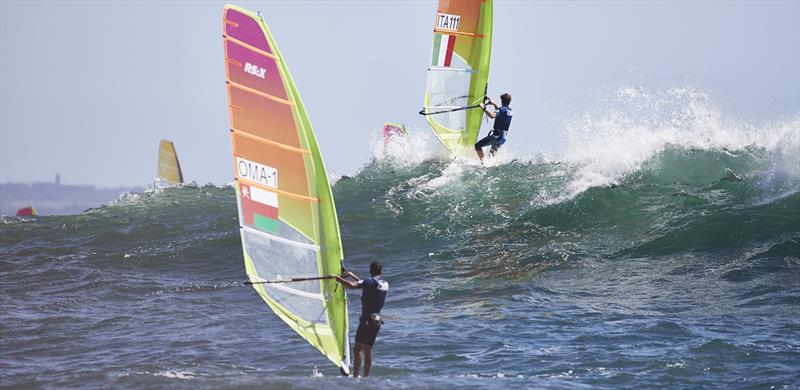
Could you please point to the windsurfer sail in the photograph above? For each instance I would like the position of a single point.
(287, 215)
(169, 169)
(393, 130)
(25, 211)
(458, 72)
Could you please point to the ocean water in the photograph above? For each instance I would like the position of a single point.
(660, 250)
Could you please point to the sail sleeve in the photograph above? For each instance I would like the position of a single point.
(287, 215)
(458, 72)
(169, 168)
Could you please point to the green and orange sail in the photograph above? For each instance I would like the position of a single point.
(458, 72)
(287, 216)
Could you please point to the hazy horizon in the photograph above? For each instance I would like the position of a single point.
(89, 89)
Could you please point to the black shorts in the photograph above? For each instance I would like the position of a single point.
(367, 332)
(491, 140)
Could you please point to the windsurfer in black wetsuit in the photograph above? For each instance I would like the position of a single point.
(373, 295)
(502, 121)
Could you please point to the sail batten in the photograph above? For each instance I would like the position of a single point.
(287, 216)
(446, 69)
(277, 191)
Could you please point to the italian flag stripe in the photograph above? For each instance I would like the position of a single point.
(437, 42)
(443, 46)
(451, 43)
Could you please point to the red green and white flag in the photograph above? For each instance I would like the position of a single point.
(443, 45)
(259, 207)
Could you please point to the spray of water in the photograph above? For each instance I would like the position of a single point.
(607, 144)
(623, 136)
(404, 150)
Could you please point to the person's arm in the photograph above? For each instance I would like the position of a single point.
(489, 113)
(347, 283)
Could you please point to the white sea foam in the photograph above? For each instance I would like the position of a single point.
(450, 174)
(617, 138)
(404, 151)
(333, 177)
(610, 142)
(176, 374)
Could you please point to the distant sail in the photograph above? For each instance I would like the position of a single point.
(169, 168)
(26, 211)
(287, 215)
(458, 72)
(393, 130)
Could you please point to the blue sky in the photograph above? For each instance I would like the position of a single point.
(88, 89)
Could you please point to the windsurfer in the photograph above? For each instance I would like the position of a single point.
(373, 295)
(502, 120)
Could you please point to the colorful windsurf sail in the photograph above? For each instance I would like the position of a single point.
(393, 130)
(287, 215)
(458, 72)
(26, 211)
(169, 169)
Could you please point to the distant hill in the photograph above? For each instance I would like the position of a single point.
(56, 199)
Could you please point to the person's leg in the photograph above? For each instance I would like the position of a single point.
(496, 145)
(481, 144)
(357, 360)
(367, 359)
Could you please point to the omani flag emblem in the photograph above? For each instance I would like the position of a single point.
(259, 207)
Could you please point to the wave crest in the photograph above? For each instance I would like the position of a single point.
(611, 142)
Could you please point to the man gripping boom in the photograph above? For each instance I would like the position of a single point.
(373, 295)
(502, 120)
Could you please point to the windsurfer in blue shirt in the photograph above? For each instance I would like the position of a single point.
(373, 295)
(502, 120)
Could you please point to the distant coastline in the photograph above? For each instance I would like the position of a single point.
(56, 199)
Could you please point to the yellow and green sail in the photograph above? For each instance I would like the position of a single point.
(169, 169)
(458, 72)
(287, 215)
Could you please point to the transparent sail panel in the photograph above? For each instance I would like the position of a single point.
(449, 89)
(308, 309)
(269, 256)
